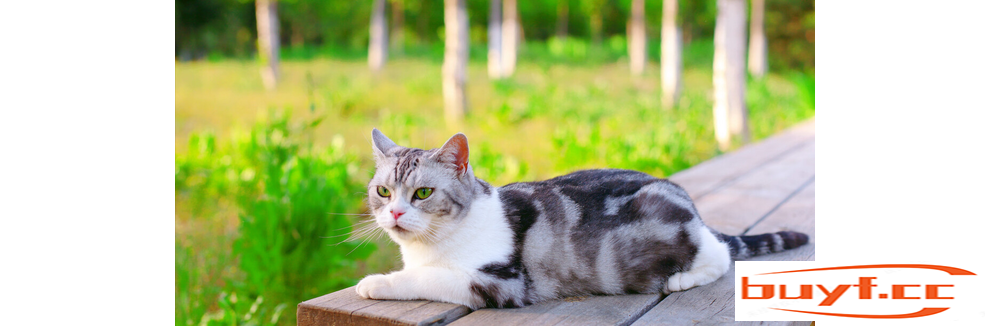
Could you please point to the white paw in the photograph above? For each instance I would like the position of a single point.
(374, 287)
(679, 282)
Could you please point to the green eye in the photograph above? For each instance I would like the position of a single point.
(382, 191)
(422, 193)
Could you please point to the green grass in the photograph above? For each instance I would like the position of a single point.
(554, 116)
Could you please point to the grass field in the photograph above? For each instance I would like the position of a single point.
(547, 120)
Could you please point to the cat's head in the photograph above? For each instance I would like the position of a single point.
(420, 195)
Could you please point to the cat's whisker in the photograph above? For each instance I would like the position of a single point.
(350, 233)
(363, 233)
(356, 224)
(366, 240)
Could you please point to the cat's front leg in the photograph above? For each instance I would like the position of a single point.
(429, 283)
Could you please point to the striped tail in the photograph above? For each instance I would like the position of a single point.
(742, 247)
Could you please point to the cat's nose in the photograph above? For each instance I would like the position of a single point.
(396, 214)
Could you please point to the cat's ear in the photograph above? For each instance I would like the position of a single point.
(380, 144)
(454, 152)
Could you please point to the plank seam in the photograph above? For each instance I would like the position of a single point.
(736, 177)
(781, 203)
(643, 311)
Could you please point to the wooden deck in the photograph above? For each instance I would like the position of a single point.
(764, 187)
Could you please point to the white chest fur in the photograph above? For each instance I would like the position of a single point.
(482, 237)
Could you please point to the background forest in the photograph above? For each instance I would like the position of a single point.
(269, 179)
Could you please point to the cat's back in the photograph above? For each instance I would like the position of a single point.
(605, 181)
(575, 233)
(588, 188)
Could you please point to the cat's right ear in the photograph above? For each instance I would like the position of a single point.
(380, 144)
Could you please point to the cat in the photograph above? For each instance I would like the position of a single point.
(591, 232)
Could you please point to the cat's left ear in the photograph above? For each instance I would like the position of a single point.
(380, 144)
(455, 152)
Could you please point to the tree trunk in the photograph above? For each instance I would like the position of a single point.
(495, 40)
(637, 39)
(378, 40)
(596, 26)
(454, 71)
(562, 16)
(757, 41)
(398, 37)
(730, 73)
(671, 64)
(267, 15)
(510, 37)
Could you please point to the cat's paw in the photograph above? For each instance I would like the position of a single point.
(679, 282)
(374, 287)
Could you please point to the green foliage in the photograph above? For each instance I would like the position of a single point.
(215, 29)
(282, 245)
(499, 168)
(293, 202)
(805, 89)
(235, 311)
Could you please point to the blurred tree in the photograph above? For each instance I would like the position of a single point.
(671, 64)
(757, 41)
(562, 17)
(594, 8)
(398, 37)
(454, 70)
(378, 39)
(510, 38)
(790, 29)
(268, 40)
(729, 69)
(495, 40)
(637, 38)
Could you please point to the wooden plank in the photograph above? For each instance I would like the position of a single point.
(714, 303)
(591, 310)
(345, 307)
(735, 207)
(708, 176)
(793, 215)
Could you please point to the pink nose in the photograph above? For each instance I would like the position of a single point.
(396, 214)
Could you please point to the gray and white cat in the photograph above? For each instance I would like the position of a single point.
(590, 232)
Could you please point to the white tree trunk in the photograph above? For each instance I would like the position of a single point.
(757, 41)
(730, 72)
(454, 71)
(671, 64)
(510, 37)
(495, 40)
(267, 15)
(378, 40)
(637, 38)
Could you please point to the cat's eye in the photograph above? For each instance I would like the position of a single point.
(422, 193)
(382, 191)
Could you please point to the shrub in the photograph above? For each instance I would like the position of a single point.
(294, 207)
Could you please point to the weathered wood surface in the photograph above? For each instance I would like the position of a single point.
(593, 310)
(764, 187)
(715, 303)
(345, 307)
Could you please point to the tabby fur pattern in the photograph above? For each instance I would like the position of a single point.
(592, 232)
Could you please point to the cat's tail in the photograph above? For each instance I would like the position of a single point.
(742, 247)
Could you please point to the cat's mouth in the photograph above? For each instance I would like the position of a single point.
(398, 229)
